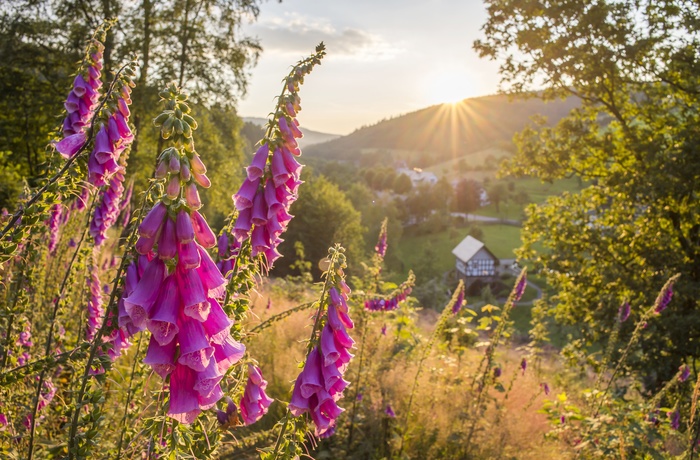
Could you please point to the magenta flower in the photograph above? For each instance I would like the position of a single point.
(675, 417)
(95, 312)
(82, 102)
(384, 329)
(458, 303)
(109, 208)
(545, 388)
(389, 411)
(25, 337)
(254, 402)
(54, 225)
(497, 372)
(3, 420)
(624, 312)
(271, 185)
(380, 247)
(684, 373)
(230, 416)
(320, 384)
(664, 299)
(520, 288)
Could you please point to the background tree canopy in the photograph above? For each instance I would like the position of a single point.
(196, 43)
(635, 67)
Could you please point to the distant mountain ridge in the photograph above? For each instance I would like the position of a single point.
(310, 136)
(447, 131)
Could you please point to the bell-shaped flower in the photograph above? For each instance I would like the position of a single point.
(193, 295)
(255, 402)
(161, 357)
(139, 303)
(257, 167)
(163, 320)
(228, 353)
(184, 400)
(202, 232)
(246, 194)
(195, 351)
(217, 324)
(212, 279)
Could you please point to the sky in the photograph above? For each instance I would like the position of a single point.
(385, 58)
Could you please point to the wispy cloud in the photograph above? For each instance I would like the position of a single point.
(296, 34)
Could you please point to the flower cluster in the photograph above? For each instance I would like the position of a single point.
(94, 306)
(54, 224)
(114, 134)
(520, 288)
(381, 246)
(254, 402)
(82, 101)
(459, 302)
(273, 177)
(110, 206)
(176, 296)
(390, 303)
(624, 311)
(664, 297)
(228, 251)
(320, 384)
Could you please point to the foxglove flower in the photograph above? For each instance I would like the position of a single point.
(391, 303)
(273, 179)
(176, 296)
(664, 298)
(320, 384)
(675, 417)
(520, 288)
(380, 247)
(54, 225)
(624, 312)
(254, 402)
(389, 411)
(545, 388)
(457, 306)
(82, 102)
(109, 207)
(684, 373)
(94, 305)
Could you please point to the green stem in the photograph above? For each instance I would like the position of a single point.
(100, 332)
(49, 338)
(128, 398)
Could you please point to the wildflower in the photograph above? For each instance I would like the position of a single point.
(254, 402)
(389, 411)
(562, 419)
(82, 102)
(359, 396)
(320, 384)
(624, 312)
(664, 298)
(520, 288)
(94, 305)
(3, 420)
(384, 329)
(457, 306)
(177, 302)
(523, 365)
(381, 246)
(25, 337)
(497, 372)
(54, 225)
(675, 417)
(109, 208)
(684, 373)
(545, 388)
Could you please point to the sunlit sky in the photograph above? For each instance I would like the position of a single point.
(385, 58)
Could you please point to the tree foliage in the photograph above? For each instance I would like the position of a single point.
(635, 67)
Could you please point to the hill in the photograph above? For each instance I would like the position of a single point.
(253, 131)
(446, 131)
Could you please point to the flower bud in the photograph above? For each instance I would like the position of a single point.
(173, 189)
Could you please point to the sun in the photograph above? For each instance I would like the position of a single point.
(447, 87)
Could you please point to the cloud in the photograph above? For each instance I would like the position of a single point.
(296, 34)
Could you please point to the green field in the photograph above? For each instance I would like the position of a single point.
(500, 239)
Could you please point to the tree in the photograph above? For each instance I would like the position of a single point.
(324, 216)
(636, 69)
(467, 196)
(498, 194)
(402, 184)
